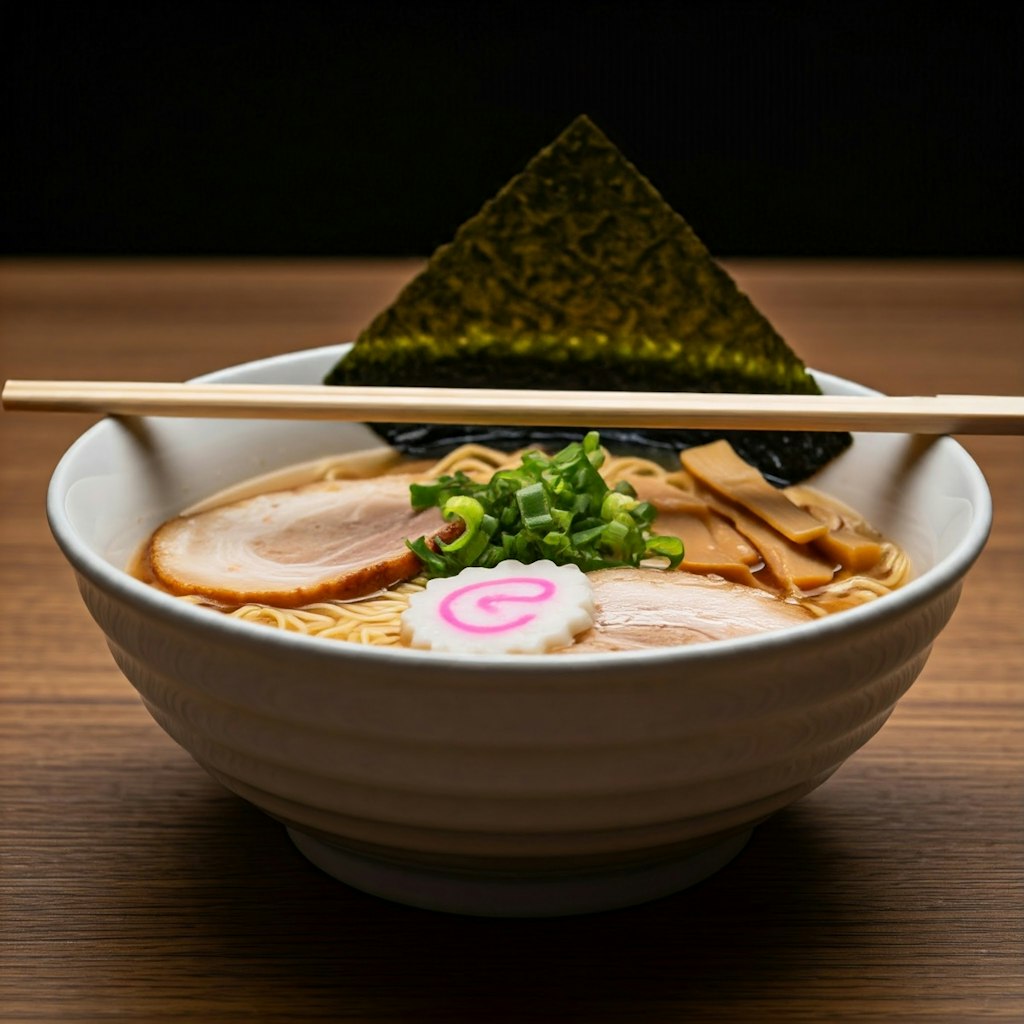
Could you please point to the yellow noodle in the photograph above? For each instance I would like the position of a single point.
(476, 461)
(621, 467)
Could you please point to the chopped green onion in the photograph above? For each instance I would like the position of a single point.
(666, 547)
(470, 511)
(556, 507)
(534, 508)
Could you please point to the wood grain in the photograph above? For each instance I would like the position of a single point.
(132, 887)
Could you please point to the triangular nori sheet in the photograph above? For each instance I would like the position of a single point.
(578, 274)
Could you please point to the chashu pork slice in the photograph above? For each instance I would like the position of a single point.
(330, 540)
(641, 608)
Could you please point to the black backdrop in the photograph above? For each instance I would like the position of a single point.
(318, 128)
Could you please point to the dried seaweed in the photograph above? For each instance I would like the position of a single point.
(578, 274)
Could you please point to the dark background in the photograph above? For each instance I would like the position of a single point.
(324, 129)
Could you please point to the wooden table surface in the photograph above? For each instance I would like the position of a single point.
(133, 887)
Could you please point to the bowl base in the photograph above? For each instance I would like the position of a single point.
(484, 895)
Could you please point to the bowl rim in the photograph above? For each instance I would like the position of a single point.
(168, 609)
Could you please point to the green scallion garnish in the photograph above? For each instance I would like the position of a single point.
(556, 507)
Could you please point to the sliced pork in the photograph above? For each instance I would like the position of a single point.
(641, 608)
(330, 540)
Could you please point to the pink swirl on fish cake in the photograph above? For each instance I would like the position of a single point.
(492, 604)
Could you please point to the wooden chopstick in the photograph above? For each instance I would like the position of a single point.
(941, 414)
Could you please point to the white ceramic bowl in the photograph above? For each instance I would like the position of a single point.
(508, 785)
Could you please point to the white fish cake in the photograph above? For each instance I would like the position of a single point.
(510, 609)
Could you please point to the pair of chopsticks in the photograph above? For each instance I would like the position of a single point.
(940, 414)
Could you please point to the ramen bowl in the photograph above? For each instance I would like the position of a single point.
(517, 785)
